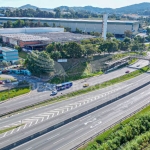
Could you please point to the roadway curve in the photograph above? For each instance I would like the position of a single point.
(35, 97)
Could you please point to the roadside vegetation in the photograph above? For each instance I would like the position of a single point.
(8, 129)
(133, 133)
(4, 95)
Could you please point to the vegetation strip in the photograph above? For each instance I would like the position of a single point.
(5, 95)
(123, 132)
(8, 129)
(83, 91)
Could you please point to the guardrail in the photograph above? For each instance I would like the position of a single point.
(95, 135)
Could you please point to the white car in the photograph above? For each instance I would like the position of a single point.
(53, 93)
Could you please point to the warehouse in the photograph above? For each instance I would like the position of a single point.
(116, 27)
(41, 40)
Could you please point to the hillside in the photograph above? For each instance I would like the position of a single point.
(140, 8)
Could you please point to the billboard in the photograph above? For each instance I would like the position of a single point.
(62, 60)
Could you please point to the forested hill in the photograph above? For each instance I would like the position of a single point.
(73, 12)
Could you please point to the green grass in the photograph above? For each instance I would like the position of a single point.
(7, 78)
(8, 129)
(4, 95)
(102, 137)
(23, 54)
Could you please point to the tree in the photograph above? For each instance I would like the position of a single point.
(128, 33)
(58, 13)
(46, 24)
(109, 35)
(18, 48)
(127, 40)
(139, 39)
(51, 47)
(55, 55)
(89, 49)
(39, 63)
(74, 50)
(148, 30)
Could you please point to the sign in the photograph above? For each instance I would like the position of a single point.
(62, 60)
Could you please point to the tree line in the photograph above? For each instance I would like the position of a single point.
(47, 14)
(21, 23)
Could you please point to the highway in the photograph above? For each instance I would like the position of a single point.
(97, 102)
(46, 111)
(35, 96)
(68, 136)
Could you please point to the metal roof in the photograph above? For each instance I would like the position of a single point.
(67, 20)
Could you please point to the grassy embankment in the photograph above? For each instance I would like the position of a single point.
(90, 67)
(4, 95)
(118, 130)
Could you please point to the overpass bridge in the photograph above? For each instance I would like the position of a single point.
(125, 59)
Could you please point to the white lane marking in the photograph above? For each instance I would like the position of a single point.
(58, 141)
(79, 130)
(24, 126)
(91, 120)
(12, 131)
(73, 126)
(96, 124)
(68, 107)
(30, 124)
(52, 137)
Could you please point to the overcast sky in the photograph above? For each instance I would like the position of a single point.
(56, 3)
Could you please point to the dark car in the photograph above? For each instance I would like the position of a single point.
(127, 71)
(1, 82)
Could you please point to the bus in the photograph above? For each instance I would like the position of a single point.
(63, 86)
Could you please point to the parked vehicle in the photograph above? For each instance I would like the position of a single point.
(127, 71)
(1, 82)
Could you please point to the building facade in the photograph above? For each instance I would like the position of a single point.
(115, 27)
(8, 54)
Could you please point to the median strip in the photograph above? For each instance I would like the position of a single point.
(83, 91)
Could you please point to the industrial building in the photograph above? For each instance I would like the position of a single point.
(39, 41)
(116, 27)
(8, 54)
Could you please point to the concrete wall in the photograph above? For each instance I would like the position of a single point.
(115, 27)
(29, 30)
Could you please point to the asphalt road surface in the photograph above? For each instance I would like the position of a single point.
(35, 97)
(14, 135)
(61, 107)
(68, 136)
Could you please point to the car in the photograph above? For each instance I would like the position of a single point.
(138, 66)
(7, 81)
(127, 71)
(53, 93)
(86, 85)
(1, 82)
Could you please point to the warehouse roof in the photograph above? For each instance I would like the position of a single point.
(67, 20)
(48, 37)
(24, 37)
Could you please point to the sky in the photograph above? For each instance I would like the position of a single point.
(57, 3)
